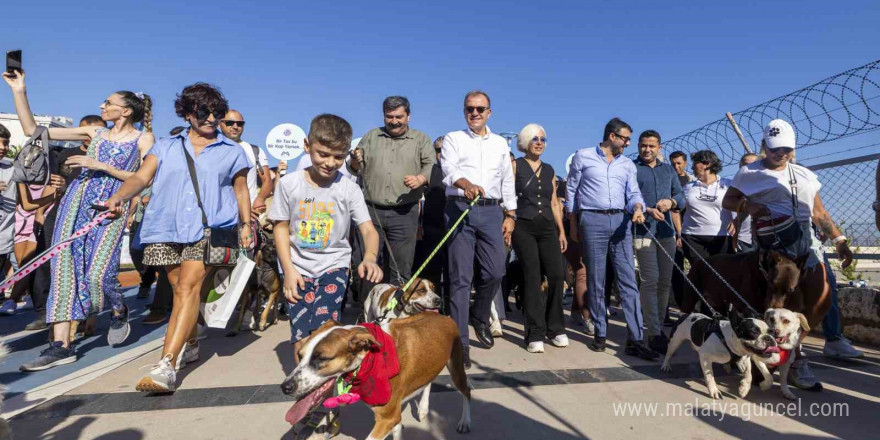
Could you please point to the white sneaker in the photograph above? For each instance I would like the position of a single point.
(590, 328)
(190, 354)
(841, 348)
(560, 340)
(536, 347)
(495, 327)
(27, 304)
(161, 378)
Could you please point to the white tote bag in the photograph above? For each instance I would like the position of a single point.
(224, 285)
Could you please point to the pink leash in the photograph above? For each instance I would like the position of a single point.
(48, 254)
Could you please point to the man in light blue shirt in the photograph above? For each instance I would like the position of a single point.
(602, 188)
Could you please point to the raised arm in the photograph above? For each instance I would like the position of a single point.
(15, 80)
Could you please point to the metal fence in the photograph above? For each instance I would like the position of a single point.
(848, 189)
(841, 106)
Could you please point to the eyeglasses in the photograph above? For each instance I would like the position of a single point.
(470, 109)
(542, 139)
(625, 139)
(108, 103)
(229, 123)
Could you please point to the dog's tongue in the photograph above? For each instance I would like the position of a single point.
(311, 400)
(773, 349)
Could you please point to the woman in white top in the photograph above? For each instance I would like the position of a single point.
(707, 227)
(783, 199)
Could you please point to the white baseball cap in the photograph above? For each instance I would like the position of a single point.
(779, 134)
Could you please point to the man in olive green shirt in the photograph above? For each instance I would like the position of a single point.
(395, 163)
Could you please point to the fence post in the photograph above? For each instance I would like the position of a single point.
(739, 133)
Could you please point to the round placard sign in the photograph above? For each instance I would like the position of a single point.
(285, 142)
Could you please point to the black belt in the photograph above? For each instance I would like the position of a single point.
(401, 206)
(481, 202)
(605, 211)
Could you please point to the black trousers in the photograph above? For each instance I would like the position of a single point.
(696, 246)
(536, 243)
(677, 278)
(399, 225)
(436, 271)
(43, 274)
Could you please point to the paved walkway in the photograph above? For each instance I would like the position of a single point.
(571, 393)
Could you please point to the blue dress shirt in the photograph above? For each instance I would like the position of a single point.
(594, 183)
(657, 183)
(173, 214)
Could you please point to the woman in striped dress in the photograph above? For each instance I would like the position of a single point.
(84, 273)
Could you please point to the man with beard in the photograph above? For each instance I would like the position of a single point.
(603, 200)
(661, 191)
(395, 162)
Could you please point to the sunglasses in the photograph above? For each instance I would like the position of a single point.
(203, 112)
(542, 139)
(782, 150)
(470, 109)
(229, 123)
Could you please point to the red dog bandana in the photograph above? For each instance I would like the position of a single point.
(373, 378)
(783, 357)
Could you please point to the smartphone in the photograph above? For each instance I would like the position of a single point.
(13, 61)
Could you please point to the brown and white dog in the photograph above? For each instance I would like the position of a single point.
(425, 344)
(421, 296)
(788, 328)
(262, 293)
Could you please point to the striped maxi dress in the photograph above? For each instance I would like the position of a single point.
(84, 273)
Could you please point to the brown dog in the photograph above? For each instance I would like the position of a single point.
(766, 279)
(265, 287)
(425, 344)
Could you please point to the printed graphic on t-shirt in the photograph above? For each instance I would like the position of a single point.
(315, 224)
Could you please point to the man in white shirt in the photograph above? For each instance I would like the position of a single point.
(232, 127)
(476, 162)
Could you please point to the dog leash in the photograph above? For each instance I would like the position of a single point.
(442, 242)
(50, 253)
(684, 275)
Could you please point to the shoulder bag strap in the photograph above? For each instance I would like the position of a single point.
(534, 173)
(192, 175)
(257, 159)
(792, 182)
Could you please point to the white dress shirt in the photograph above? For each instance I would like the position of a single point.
(482, 160)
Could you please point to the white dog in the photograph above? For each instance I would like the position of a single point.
(720, 341)
(787, 328)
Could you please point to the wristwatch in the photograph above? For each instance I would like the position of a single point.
(510, 216)
(876, 206)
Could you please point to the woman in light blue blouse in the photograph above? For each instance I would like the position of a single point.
(173, 228)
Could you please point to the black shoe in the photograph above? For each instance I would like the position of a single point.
(658, 343)
(37, 324)
(598, 344)
(484, 333)
(144, 292)
(638, 349)
(466, 356)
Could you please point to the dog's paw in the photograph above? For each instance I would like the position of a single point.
(766, 385)
(666, 367)
(463, 428)
(743, 389)
(423, 415)
(788, 394)
(715, 393)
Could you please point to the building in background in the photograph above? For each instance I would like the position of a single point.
(10, 121)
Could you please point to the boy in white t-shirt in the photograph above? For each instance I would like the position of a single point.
(313, 210)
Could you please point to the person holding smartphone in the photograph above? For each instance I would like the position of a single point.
(85, 272)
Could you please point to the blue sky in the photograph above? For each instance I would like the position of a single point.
(570, 66)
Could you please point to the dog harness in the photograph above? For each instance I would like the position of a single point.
(704, 328)
(372, 380)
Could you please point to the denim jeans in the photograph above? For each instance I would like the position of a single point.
(655, 273)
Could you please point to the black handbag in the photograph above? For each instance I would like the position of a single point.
(784, 231)
(221, 244)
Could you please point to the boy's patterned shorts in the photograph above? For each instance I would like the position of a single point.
(322, 300)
